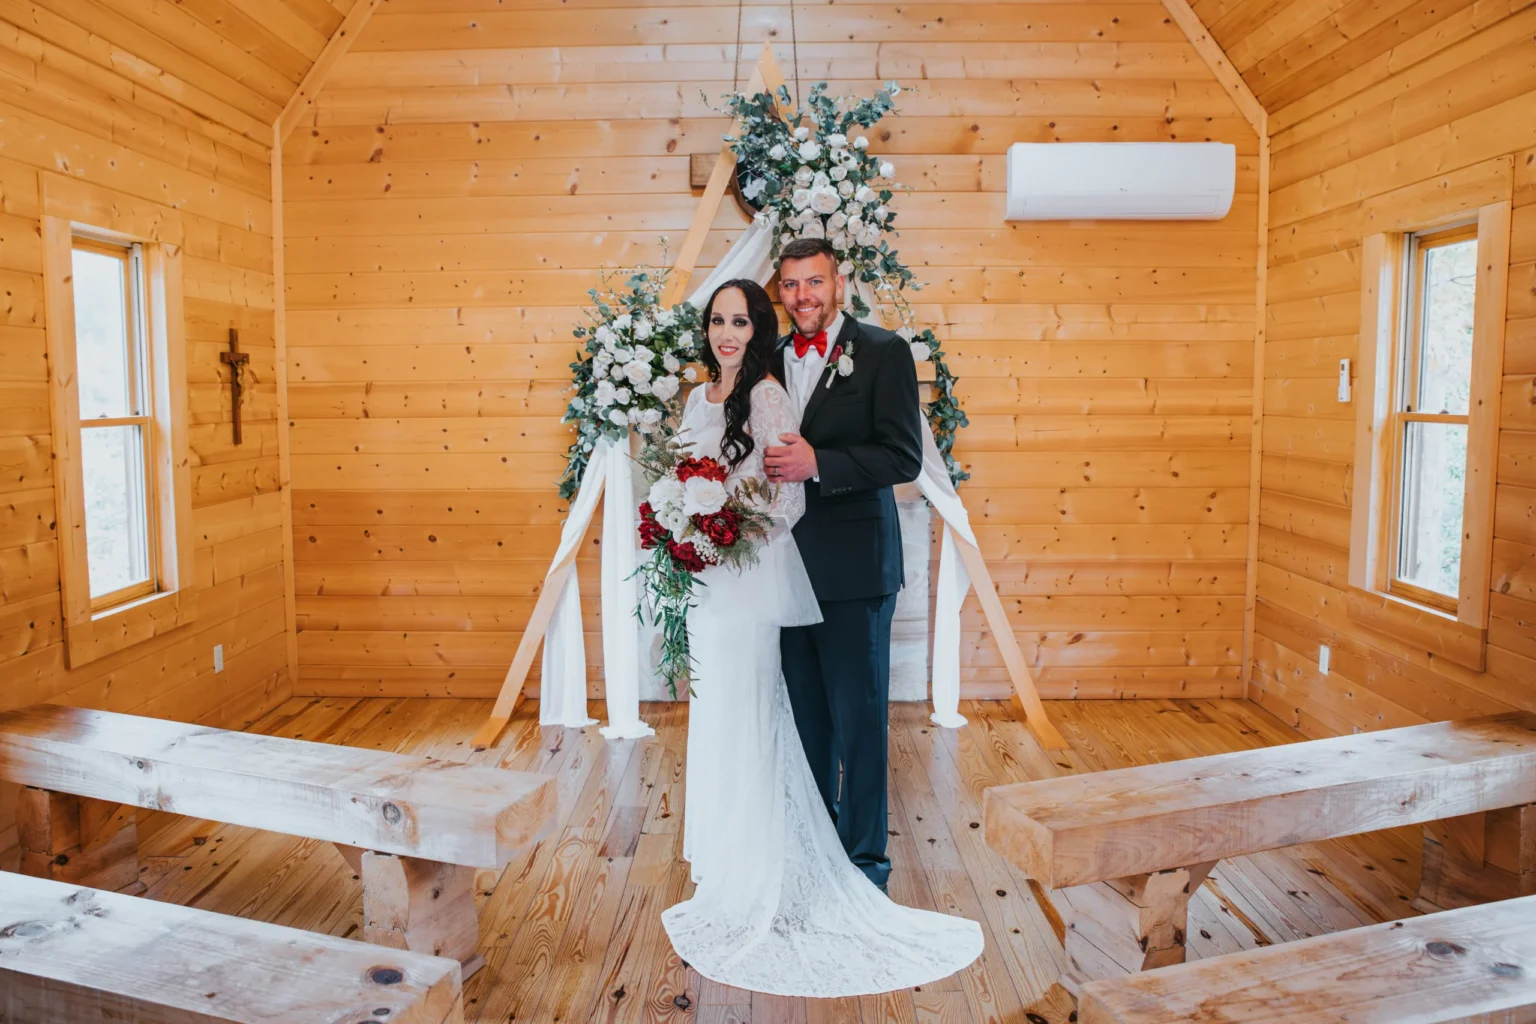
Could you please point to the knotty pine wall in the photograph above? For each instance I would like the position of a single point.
(1449, 111)
(72, 102)
(473, 163)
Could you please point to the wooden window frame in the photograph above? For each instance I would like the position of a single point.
(74, 211)
(1456, 631)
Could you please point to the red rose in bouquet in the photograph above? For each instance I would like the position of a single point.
(652, 533)
(686, 556)
(689, 468)
(722, 528)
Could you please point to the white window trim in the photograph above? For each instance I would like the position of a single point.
(102, 213)
(1460, 638)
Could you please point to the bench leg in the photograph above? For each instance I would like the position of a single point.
(1127, 925)
(1478, 858)
(421, 905)
(78, 840)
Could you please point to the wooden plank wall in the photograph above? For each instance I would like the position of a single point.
(470, 165)
(1376, 110)
(126, 96)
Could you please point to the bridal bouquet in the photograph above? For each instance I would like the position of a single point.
(690, 522)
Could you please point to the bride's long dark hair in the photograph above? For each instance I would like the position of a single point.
(737, 443)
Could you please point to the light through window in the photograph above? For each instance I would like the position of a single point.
(115, 420)
(1431, 417)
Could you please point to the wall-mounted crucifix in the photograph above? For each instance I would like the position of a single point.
(235, 360)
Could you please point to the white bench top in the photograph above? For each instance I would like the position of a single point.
(82, 956)
(1089, 828)
(472, 815)
(1452, 966)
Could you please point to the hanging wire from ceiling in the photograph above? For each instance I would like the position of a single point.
(736, 58)
(794, 42)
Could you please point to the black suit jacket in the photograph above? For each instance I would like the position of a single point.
(868, 436)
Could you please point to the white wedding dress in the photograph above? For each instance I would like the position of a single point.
(778, 907)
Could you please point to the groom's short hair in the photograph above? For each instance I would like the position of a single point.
(806, 248)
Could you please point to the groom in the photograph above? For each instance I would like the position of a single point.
(860, 434)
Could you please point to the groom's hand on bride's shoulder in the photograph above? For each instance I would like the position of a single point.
(793, 462)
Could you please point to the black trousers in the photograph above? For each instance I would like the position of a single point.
(839, 677)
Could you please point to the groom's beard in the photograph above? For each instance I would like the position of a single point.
(818, 320)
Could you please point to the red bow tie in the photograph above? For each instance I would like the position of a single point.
(804, 344)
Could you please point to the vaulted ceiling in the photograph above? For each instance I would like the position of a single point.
(234, 62)
(1286, 49)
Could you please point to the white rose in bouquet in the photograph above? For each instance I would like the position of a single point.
(638, 372)
(603, 396)
(685, 340)
(854, 209)
(703, 496)
(848, 159)
(621, 354)
(804, 176)
(866, 195)
(881, 212)
(674, 520)
(801, 198)
(641, 329)
(814, 229)
(905, 333)
(777, 152)
(635, 415)
(870, 235)
(825, 200)
(838, 173)
(690, 374)
(840, 241)
(605, 336)
(669, 363)
(651, 416)
(600, 364)
(665, 317)
(837, 221)
(861, 143)
(855, 225)
(666, 493)
(617, 418)
(837, 140)
(810, 151)
(887, 169)
(643, 388)
(920, 351)
(845, 268)
(802, 133)
(845, 188)
(665, 388)
(616, 371)
(820, 180)
(621, 322)
(621, 396)
(643, 354)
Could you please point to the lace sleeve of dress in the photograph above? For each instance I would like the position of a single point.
(773, 414)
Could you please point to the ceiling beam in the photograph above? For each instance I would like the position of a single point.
(1216, 59)
(303, 98)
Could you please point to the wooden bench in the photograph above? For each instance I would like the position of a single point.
(1475, 964)
(73, 954)
(414, 829)
(1127, 848)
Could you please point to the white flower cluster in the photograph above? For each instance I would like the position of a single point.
(676, 502)
(830, 197)
(626, 369)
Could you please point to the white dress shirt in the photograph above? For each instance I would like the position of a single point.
(805, 372)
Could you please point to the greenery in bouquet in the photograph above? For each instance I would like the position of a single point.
(812, 176)
(629, 368)
(689, 522)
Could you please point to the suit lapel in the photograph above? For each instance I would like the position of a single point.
(819, 388)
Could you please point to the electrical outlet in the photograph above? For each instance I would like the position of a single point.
(218, 657)
(1323, 658)
(1343, 380)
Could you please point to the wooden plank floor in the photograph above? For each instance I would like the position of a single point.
(572, 930)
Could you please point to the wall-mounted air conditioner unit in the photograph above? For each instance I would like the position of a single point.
(1120, 180)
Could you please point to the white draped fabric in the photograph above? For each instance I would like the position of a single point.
(563, 691)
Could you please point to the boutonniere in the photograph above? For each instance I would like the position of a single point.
(840, 362)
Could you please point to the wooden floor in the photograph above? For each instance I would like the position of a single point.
(572, 930)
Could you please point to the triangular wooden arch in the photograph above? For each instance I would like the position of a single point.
(766, 77)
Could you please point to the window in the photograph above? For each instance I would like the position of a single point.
(122, 481)
(116, 427)
(1426, 430)
(1430, 418)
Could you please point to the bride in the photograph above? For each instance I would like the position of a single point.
(778, 907)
